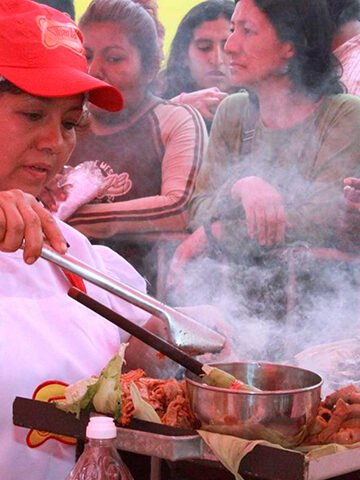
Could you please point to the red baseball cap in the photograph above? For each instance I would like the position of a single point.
(42, 53)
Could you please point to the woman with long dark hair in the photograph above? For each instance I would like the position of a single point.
(274, 169)
(196, 72)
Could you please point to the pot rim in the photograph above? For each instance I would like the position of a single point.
(256, 393)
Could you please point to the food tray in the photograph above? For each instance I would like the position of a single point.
(265, 462)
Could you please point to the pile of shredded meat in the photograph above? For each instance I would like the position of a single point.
(167, 396)
(338, 418)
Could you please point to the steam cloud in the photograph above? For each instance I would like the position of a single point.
(327, 312)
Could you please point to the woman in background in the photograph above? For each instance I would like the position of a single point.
(152, 7)
(272, 176)
(196, 72)
(346, 41)
(151, 150)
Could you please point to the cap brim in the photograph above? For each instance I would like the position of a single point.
(62, 82)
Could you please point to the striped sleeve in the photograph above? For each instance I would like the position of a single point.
(182, 138)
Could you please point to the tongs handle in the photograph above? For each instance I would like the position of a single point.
(141, 333)
(187, 333)
(124, 291)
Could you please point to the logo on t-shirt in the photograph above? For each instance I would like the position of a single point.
(49, 391)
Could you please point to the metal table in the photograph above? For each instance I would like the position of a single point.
(162, 442)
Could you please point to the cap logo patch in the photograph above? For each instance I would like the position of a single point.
(56, 34)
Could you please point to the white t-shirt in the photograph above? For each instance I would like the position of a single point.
(46, 335)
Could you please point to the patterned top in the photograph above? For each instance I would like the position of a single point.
(154, 158)
(349, 55)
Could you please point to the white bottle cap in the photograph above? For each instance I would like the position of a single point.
(101, 428)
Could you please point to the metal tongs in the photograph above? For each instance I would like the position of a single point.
(185, 333)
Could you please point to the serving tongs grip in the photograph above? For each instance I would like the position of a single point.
(211, 375)
(185, 332)
(141, 333)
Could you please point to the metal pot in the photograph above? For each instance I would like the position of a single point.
(280, 413)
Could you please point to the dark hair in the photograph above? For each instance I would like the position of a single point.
(66, 6)
(176, 75)
(306, 24)
(8, 87)
(343, 11)
(137, 23)
(151, 7)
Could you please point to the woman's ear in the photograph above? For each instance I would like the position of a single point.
(185, 59)
(151, 75)
(288, 50)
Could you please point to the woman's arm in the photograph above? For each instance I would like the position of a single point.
(206, 100)
(220, 193)
(315, 214)
(214, 183)
(310, 208)
(184, 137)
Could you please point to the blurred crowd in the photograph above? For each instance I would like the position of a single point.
(160, 177)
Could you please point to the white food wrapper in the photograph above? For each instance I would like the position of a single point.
(83, 183)
(337, 363)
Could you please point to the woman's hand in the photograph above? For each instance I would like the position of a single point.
(264, 210)
(206, 101)
(23, 219)
(352, 193)
(54, 193)
(192, 247)
(348, 222)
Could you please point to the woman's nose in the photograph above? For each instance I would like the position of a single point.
(52, 138)
(229, 44)
(95, 68)
(217, 56)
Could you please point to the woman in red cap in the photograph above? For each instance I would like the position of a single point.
(44, 334)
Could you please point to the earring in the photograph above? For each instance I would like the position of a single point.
(284, 70)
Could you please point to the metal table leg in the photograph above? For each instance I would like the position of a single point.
(155, 472)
